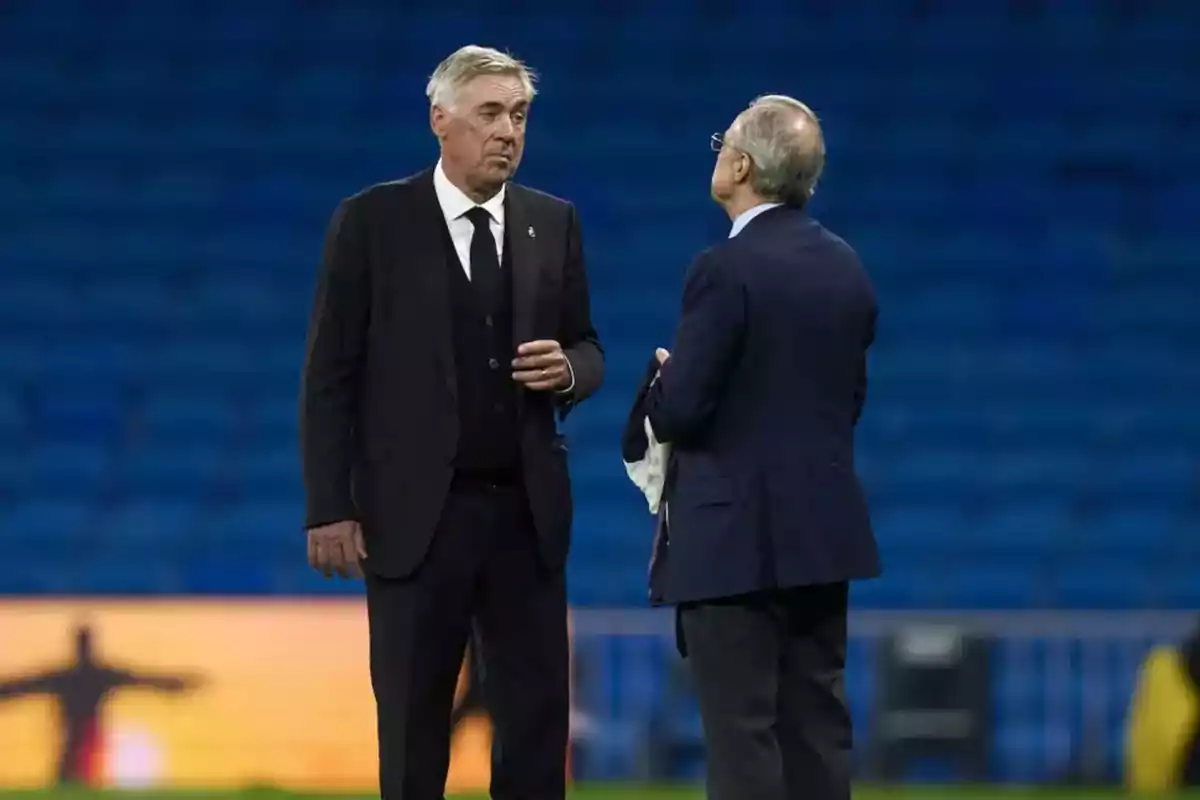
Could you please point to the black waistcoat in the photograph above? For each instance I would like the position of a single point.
(488, 440)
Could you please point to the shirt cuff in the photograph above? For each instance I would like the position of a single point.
(571, 371)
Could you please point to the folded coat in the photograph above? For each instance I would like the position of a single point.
(645, 457)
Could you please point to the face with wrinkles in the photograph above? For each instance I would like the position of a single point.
(483, 135)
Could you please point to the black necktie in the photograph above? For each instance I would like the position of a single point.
(485, 264)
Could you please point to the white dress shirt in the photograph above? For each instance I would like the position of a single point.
(455, 206)
(743, 219)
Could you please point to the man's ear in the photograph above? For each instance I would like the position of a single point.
(437, 120)
(741, 171)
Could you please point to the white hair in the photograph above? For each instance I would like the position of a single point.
(783, 139)
(469, 62)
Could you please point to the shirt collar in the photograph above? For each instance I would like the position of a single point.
(454, 203)
(744, 218)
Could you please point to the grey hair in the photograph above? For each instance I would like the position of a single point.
(783, 139)
(469, 62)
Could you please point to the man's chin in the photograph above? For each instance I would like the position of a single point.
(501, 168)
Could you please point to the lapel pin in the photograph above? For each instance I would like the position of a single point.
(532, 235)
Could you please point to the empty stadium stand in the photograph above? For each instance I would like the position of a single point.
(1020, 178)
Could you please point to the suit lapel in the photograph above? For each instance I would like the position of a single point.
(522, 239)
(425, 253)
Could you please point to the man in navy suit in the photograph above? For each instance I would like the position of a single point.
(764, 522)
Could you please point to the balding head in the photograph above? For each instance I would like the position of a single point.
(782, 138)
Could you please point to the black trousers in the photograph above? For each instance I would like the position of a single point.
(769, 673)
(482, 572)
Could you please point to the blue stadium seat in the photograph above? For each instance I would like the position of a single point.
(1136, 533)
(122, 576)
(257, 527)
(49, 527)
(81, 413)
(151, 526)
(45, 577)
(1175, 586)
(271, 420)
(171, 470)
(1095, 582)
(216, 574)
(12, 419)
(1009, 584)
(67, 470)
(187, 417)
(1032, 529)
(266, 474)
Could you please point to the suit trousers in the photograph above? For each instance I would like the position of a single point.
(769, 672)
(483, 575)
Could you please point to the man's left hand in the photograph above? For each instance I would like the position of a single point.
(542, 366)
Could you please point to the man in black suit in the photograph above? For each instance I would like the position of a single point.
(451, 323)
(764, 521)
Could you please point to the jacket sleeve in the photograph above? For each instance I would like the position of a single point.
(333, 364)
(860, 389)
(711, 327)
(633, 440)
(577, 335)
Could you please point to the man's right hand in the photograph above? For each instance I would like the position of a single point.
(338, 547)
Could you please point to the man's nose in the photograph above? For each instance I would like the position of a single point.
(505, 129)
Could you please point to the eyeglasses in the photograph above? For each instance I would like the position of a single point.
(717, 142)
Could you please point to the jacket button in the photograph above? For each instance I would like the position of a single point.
(493, 363)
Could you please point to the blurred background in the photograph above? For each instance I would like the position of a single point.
(1020, 178)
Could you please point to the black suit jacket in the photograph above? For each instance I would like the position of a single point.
(378, 416)
(759, 400)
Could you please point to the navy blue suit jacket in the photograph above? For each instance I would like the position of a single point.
(759, 400)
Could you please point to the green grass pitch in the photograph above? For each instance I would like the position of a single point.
(616, 793)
